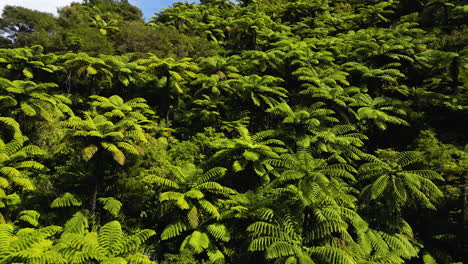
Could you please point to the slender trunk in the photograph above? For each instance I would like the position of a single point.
(4, 215)
(308, 220)
(166, 104)
(96, 178)
(465, 218)
(168, 118)
(68, 83)
(94, 194)
(93, 90)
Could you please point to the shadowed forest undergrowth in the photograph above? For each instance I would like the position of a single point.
(263, 131)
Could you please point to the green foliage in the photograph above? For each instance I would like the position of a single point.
(28, 245)
(16, 165)
(395, 182)
(29, 216)
(111, 205)
(75, 245)
(32, 100)
(108, 245)
(66, 200)
(277, 131)
(380, 111)
(117, 129)
(251, 149)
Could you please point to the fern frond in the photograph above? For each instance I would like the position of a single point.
(263, 229)
(262, 243)
(66, 200)
(77, 224)
(117, 154)
(209, 208)
(139, 258)
(197, 241)
(219, 232)
(280, 249)
(110, 236)
(213, 174)
(30, 216)
(163, 182)
(331, 255)
(111, 205)
(173, 230)
(215, 187)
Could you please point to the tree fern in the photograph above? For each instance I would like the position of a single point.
(251, 149)
(380, 110)
(108, 245)
(111, 205)
(195, 194)
(278, 240)
(29, 216)
(66, 200)
(16, 164)
(395, 183)
(31, 99)
(28, 245)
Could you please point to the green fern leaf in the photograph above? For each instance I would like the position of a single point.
(66, 200)
(111, 205)
(173, 230)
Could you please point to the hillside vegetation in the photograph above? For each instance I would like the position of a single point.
(263, 131)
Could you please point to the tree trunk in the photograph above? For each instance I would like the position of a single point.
(465, 218)
(97, 182)
(4, 215)
(94, 198)
(166, 105)
(93, 90)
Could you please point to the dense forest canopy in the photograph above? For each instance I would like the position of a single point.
(261, 131)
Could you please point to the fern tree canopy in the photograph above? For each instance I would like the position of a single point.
(256, 131)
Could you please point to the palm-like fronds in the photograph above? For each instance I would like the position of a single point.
(32, 99)
(16, 164)
(300, 124)
(282, 241)
(108, 244)
(28, 245)
(116, 128)
(66, 200)
(340, 142)
(257, 89)
(320, 192)
(395, 183)
(111, 205)
(196, 194)
(374, 246)
(251, 149)
(11, 126)
(279, 240)
(381, 111)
